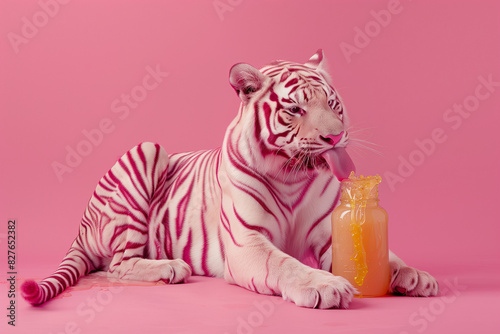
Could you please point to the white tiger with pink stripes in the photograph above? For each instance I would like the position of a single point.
(255, 211)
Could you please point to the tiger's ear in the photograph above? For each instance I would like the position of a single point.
(246, 80)
(319, 63)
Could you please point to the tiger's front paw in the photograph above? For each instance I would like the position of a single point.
(409, 281)
(319, 289)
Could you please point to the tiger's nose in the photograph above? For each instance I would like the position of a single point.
(333, 139)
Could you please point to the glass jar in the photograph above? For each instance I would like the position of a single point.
(359, 237)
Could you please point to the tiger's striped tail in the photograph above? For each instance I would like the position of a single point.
(75, 264)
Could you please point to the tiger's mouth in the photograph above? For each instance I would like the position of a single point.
(336, 160)
(307, 162)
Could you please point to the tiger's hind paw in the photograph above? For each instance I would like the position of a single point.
(176, 271)
(139, 269)
(408, 281)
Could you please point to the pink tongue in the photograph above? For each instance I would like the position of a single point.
(340, 162)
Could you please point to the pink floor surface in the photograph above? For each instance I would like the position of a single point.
(468, 303)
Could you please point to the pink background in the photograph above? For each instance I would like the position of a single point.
(67, 75)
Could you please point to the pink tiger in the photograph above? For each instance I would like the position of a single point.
(255, 211)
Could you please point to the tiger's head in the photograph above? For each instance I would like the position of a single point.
(292, 117)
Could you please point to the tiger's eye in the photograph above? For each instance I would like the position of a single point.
(248, 90)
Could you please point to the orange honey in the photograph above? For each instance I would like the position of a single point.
(359, 237)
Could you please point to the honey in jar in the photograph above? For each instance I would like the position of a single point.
(359, 237)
